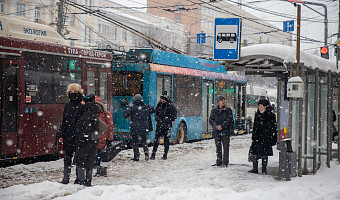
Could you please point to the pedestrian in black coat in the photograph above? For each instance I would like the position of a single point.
(67, 130)
(264, 135)
(87, 141)
(166, 113)
(221, 120)
(139, 114)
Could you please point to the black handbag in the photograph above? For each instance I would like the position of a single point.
(109, 152)
(102, 127)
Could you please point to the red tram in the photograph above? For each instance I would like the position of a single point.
(34, 79)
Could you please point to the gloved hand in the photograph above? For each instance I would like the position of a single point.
(108, 143)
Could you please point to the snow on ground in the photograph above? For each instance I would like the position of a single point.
(187, 174)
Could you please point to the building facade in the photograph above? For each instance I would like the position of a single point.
(86, 30)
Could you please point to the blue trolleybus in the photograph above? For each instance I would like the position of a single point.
(192, 84)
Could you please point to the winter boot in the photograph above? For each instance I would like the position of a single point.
(146, 156)
(99, 171)
(165, 156)
(103, 171)
(255, 169)
(88, 182)
(76, 181)
(81, 182)
(264, 165)
(153, 156)
(67, 172)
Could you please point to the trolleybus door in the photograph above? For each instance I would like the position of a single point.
(97, 82)
(208, 88)
(9, 106)
(240, 107)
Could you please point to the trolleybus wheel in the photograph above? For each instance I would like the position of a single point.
(181, 134)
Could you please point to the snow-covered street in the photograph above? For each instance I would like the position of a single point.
(187, 174)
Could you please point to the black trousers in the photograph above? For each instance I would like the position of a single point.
(68, 155)
(222, 143)
(136, 148)
(84, 173)
(160, 133)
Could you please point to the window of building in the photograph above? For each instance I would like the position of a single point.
(21, 7)
(37, 14)
(177, 8)
(177, 19)
(124, 35)
(88, 34)
(2, 6)
(73, 20)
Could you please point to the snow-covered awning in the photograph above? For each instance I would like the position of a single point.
(272, 59)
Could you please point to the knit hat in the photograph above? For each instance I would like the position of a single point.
(164, 96)
(219, 98)
(89, 98)
(264, 102)
(137, 97)
(76, 87)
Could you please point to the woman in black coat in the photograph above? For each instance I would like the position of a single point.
(264, 136)
(139, 114)
(87, 141)
(67, 130)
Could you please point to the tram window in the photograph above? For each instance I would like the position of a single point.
(188, 95)
(127, 83)
(47, 77)
(226, 89)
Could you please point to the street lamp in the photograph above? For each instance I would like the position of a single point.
(189, 33)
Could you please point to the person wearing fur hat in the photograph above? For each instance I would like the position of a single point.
(166, 113)
(106, 138)
(67, 129)
(264, 135)
(87, 137)
(139, 114)
(221, 120)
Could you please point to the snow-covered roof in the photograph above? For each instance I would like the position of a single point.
(287, 54)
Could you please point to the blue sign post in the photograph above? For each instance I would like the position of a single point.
(201, 38)
(288, 26)
(227, 38)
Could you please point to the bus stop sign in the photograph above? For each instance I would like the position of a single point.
(227, 38)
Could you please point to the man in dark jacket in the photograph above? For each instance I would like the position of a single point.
(221, 120)
(139, 114)
(87, 137)
(67, 130)
(264, 135)
(166, 113)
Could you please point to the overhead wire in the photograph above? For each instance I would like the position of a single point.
(102, 15)
(256, 21)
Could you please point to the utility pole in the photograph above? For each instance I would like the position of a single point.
(305, 3)
(298, 40)
(337, 46)
(60, 22)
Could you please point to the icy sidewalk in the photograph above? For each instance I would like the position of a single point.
(187, 174)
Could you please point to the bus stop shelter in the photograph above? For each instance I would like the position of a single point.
(307, 123)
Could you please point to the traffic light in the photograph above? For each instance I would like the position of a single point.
(324, 52)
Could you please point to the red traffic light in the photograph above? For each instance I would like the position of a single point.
(324, 50)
